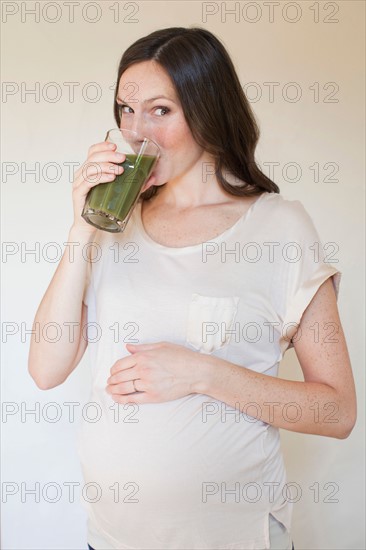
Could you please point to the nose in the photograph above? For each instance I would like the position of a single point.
(137, 124)
(138, 127)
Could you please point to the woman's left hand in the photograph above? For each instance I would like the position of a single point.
(160, 371)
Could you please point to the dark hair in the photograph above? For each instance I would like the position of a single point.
(213, 102)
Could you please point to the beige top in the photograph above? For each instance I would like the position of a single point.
(194, 472)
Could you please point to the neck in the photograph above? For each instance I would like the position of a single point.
(197, 187)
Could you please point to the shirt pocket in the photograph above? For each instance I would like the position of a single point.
(210, 321)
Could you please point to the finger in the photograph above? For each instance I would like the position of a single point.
(121, 389)
(122, 364)
(106, 148)
(91, 177)
(98, 163)
(123, 376)
(82, 186)
(101, 146)
(133, 348)
(105, 156)
(91, 170)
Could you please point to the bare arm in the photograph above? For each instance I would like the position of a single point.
(324, 404)
(51, 362)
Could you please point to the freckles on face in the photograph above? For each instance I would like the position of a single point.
(149, 103)
(176, 137)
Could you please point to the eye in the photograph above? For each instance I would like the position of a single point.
(164, 109)
(124, 108)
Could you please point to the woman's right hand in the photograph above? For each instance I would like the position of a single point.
(99, 167)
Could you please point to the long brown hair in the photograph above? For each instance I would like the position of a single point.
(213, 102)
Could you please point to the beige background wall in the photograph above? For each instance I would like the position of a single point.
(310, 49)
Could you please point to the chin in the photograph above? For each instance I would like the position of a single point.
(158, 179)
(159, 183)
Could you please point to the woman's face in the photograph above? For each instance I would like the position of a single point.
(149, 105)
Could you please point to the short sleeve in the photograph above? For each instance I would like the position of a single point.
(306, 270)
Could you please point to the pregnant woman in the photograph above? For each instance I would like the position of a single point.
(193, 307)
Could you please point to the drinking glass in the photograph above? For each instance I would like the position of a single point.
(108, 206)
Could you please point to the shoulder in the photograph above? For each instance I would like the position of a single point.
(279, 203)
(290, 214)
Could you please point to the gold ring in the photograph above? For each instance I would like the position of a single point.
(134, 387)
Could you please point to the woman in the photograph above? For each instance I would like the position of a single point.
(193, 307)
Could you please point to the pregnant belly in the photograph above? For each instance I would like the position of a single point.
(169, 459)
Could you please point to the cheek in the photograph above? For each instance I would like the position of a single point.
(173, 136)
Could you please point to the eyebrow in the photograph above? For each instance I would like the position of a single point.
(149, 100)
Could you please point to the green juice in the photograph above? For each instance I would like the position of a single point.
(115, 199)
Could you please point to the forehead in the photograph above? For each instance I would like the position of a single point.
(148, 79)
